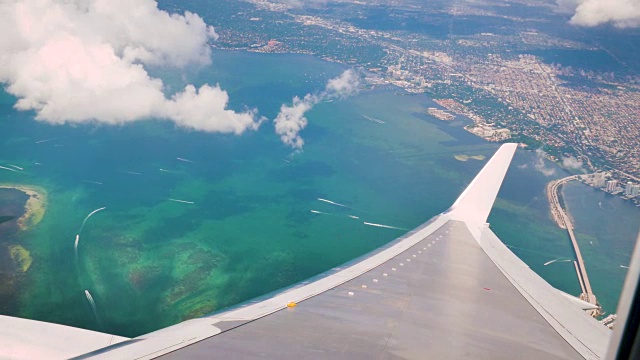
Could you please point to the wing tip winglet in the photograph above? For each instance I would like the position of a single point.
(474, 204)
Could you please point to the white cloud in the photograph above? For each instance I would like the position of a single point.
(291, 120)
(192, 109)
(567, 6)
(570, 162)
(539, 164)
(85, 61)
(344, 85)
(620, 13)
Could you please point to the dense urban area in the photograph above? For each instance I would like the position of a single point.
(519, 72)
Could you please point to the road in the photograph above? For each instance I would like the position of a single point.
(562, 219)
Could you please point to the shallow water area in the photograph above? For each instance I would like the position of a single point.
(242, 217)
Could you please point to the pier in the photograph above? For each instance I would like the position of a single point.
(562, 219)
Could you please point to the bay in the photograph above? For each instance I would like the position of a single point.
(245, 225)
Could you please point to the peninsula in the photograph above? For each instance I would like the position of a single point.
(34, 207)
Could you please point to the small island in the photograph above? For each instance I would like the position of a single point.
(468, 157)
(21, 257)
(20, 218)
(34, 207)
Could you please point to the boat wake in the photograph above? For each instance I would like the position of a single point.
(93, 182)
(92, 303)
(181, 201)
(384, 226)
(88, 216)
(333, 203)
(373, 119)
(75, 245)
(556, 260)
(184, 160)
(8, 168)
(132, 172)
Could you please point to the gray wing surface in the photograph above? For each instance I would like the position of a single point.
(448, 289)
(30, 339)
(445, 299)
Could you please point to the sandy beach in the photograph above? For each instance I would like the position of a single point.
(468, 157)
(34, 208)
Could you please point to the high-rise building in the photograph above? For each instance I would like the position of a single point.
(611, 185)
(627, 189)
(635, 190)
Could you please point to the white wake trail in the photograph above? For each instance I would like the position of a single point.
(75, 245)
(16, 167)
(88, 216)
(10, 169)
(46, 140)
(373, 119)
(334, 203)
(92, 303)
(181, 201)
(550, 262)
(184, 160)
(556, 260)
(131, 172)
(384, 226)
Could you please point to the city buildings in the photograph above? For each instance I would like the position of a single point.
(627, 189)
(599, 179)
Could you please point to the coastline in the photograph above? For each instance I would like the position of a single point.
(34, 207)
(560, 215)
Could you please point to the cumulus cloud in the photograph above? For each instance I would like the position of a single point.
(344, 85)
(539, 164)
(291, 118)
(620, 13)
(570, 162)
(567, 6)
(79, 61)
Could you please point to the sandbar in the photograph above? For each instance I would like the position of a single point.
(467, 157)
(34, 207)
(21, 256)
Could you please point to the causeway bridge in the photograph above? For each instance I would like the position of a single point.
(562, 219)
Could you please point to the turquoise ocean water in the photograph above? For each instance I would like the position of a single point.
(150, 262)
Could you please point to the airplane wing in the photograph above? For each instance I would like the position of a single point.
(448, 289)
(30, 339)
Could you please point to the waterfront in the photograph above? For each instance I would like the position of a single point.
(246, 226)
(562, 218)
(606, 227)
